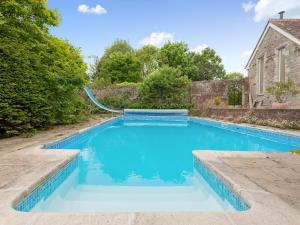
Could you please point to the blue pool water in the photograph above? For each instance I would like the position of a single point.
(145, 164)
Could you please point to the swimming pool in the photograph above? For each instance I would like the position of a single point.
(136, 164)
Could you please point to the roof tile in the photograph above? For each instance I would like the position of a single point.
(291, 26)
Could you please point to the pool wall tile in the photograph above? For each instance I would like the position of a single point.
(223, 190)
(47, 188)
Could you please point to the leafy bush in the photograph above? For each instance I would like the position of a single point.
(234, 76)
(165, 87)
(123, 102)
(41, 75)
(120, 68)
(281, 91)
(144, 105)
(120, 47)
(118, 102)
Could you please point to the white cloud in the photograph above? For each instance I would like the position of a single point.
(265, 9)
(157, 39)
(246, 54)
(247, 6)
(98, 9)
(199, 48)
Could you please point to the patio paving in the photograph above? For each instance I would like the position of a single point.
(277, 173)
(269, 182)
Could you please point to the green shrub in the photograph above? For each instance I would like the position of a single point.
(234, 76)
(41, 76)
(118, 102)
(166, 87)
(163, 89)
(121, 67)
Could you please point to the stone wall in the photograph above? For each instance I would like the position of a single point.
(203, 93)
(130, 91)
(269, 51)
(292, 115)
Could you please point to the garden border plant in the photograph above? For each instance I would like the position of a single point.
(281, 91)
(251, 118)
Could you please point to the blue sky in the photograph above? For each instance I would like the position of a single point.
(232, 28)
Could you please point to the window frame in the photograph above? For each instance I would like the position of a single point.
(260, 75)
(281, 63)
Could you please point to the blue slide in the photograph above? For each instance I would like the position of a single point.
(94, 100)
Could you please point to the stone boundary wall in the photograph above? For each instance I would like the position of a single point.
(203, 93)
(264, 114)
(131, 91)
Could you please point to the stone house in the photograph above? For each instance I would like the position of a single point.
(275, 58)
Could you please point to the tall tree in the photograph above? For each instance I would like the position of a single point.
(121, 67)
(118, 46)
(33, 15)
(209, 65)
(177, 55)
(148, 56)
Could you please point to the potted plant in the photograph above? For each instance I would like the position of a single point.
(281, 91)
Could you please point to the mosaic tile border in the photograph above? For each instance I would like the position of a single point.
(47, 188)
(257, 132)
(223, 190)
(77, 136)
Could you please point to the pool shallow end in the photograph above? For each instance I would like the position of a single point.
(47, 187)
(266, 208)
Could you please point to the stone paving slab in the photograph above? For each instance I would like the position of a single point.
(278, 173)
(251, 175)
(13, 144)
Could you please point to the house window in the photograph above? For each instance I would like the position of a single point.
(260, 72)
(281, 65)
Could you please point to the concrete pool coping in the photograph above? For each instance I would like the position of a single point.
(266, 208)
